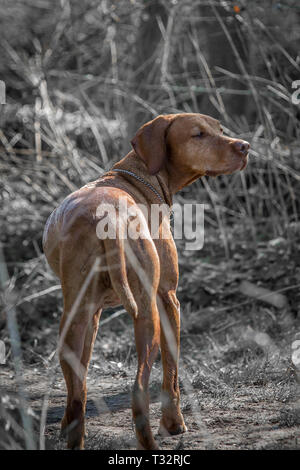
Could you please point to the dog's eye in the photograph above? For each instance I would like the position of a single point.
(200, 134)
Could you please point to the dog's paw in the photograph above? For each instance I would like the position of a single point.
(171, 430)
(153, 446)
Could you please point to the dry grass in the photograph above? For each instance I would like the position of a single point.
(68, 75)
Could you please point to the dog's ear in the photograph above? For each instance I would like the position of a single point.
(150, 142)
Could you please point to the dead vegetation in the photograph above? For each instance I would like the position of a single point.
(73, 94)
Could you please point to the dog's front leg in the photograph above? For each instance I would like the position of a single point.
(172, 421)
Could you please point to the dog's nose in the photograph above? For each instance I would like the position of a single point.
(242, 146)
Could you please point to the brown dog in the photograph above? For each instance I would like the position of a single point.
(141, 274)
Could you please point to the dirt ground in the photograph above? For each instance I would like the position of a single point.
(257, 407)
(239, 389)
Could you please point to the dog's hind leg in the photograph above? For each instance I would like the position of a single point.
(136, 280)
(172, 420)
(78, 329)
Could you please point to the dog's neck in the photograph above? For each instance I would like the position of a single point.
(133, 163)
(167, 181)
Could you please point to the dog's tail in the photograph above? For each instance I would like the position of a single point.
(115, 251)
(140, 259)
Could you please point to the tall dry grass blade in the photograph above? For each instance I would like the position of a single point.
(15, 341)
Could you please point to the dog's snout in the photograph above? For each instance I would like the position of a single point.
(242, 146)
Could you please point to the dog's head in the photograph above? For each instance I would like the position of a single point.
(192, 144)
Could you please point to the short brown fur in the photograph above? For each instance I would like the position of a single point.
(169, 153)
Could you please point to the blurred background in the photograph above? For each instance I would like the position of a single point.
(81, 77)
